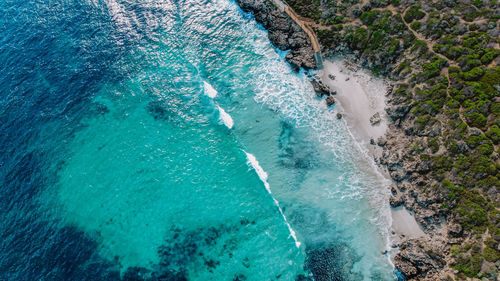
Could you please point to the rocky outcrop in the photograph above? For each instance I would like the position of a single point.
(375, 119)
(283, 32)
(330, 101)
(411, 188)
(320, 88)
(396, 199)
(419, 258)
(398, 112)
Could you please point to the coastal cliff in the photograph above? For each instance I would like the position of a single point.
(441, 150)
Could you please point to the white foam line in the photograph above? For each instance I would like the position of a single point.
(362, 148)
(225, 118)
(209, 90)
(263, 177)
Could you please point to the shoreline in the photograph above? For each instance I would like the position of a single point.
(360, 96)
(285, 35)
(424, 135)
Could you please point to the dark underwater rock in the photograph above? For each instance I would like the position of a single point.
(324, 264)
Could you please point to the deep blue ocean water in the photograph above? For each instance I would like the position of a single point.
(169, 140)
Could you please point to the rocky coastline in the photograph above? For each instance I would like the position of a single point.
(282, 32)
(432, 257)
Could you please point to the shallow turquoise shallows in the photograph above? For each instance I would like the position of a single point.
(209, 157)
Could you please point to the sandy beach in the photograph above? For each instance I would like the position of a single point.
(360, 96)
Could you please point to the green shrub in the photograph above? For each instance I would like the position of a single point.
(489, 80)
(478, 3)
(452, 146)
(377, 38)
(419, 45)
(425, 157)
(369, 17)
(485, 149)
(360, 38)
(475, 40)
(475, 119)
(489, 56)
(433, 69)
(449, 50)
(422, 121)
(339, 19)
(471, 215)
(462, 127)
(442, 162)
(474, 74)
(416, 25)
(448, 185)
(414, 12)
(494, 134)
(469, 62)
(481, 166)
(490, 254)
(452, 103)
(468, 263)
(488, 182)
(433, 143)
(474, 141)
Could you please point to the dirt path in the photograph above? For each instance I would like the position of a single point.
(306, 26)
(304, 23)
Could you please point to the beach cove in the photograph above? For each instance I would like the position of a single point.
(192, 151)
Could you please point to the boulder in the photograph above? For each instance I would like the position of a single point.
(382, 141)
(375, 119)
(330, 101)
(321, 88)
(396, 201)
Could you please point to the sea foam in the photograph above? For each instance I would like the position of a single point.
(225, 118)
(209, 90)
(252, 160)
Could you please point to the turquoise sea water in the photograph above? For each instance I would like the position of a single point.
(202, 157)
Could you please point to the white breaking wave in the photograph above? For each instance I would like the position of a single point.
(263, 177)
(293, 97)
(209, 90)
(225, 118)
